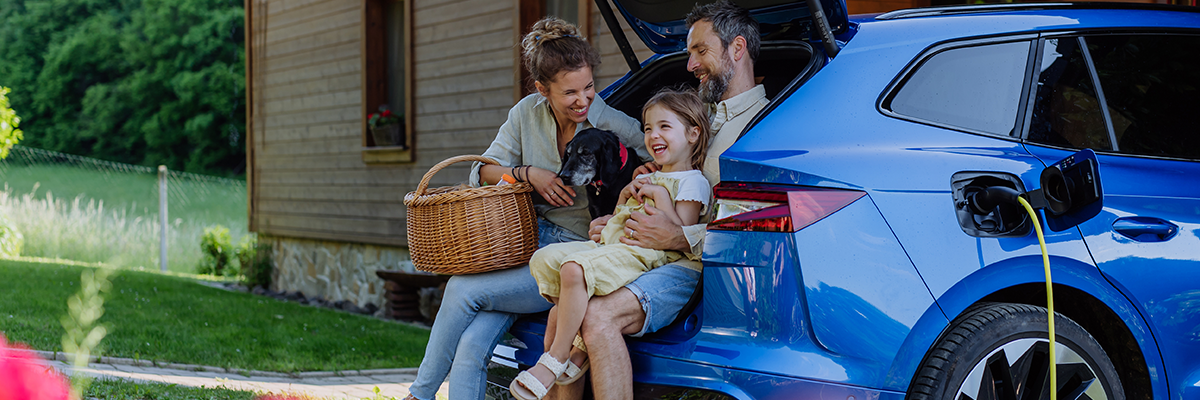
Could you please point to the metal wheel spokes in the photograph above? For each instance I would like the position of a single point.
(1020, 370)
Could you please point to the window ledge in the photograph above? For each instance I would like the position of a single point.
(387, 155)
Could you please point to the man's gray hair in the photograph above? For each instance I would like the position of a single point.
(728, 21)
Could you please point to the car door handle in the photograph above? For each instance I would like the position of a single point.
(1145, 229)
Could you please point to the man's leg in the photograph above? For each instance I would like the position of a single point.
(608, 319)
(648, 304)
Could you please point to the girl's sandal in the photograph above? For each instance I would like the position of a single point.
(574, 372)
(528, 387)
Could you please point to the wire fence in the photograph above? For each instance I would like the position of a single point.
(79, 208)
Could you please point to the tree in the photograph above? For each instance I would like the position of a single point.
(139, 81)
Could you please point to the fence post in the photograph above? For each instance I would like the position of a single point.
(162, 217)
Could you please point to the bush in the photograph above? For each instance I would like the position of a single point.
(10, 239)
(215, 244)
(9, 134)
(255, 261)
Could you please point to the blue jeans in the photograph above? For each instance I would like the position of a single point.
(662, 292)
(476, 311)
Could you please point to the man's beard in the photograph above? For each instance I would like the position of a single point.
(712, 89)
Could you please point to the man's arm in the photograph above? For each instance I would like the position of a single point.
(654, 230)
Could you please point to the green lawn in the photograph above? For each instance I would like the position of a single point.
(174, 319)
(106, 389)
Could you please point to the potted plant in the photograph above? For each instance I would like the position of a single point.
(386, 127)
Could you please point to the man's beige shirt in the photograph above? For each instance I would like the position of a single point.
(729, 119)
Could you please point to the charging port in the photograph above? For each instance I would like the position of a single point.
(982, 206)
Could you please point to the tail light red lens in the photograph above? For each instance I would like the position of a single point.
(769, 208)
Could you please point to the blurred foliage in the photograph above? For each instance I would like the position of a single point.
(218, 251)
(9, 134)
(254, 260)
(137, 81)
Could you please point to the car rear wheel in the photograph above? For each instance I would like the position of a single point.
(1000, 351)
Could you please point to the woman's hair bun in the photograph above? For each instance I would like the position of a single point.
(552, 46)
(547, 29)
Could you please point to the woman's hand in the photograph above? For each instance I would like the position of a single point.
(550, 187)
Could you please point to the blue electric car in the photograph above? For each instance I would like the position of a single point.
(850, 256)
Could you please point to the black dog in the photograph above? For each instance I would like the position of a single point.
(596, 157)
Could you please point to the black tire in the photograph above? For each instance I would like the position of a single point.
(977, 346)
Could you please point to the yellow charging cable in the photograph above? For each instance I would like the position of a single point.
(1037, 225)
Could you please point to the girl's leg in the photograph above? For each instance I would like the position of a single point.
(551, 324)
(572, 304)
(506, 292)
(569, 309)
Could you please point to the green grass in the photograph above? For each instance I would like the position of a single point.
(109, 216)
(107, 389)
(174, 319)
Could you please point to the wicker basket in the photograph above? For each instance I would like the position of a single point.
(457, 230)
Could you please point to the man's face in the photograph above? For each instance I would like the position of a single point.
(709, 61)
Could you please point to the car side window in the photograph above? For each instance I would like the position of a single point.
(977, 88)
(1066, 109)
(1152, 86)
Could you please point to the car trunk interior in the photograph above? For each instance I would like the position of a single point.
(778, 65)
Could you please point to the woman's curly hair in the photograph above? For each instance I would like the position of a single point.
(553, 46)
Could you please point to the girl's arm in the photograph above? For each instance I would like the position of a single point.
(662, 199)
(689, 211)
(631, 191)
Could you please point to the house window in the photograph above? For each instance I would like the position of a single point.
(387, 79)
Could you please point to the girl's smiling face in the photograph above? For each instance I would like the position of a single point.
(669, 140)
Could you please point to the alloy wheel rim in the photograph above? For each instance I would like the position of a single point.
(1011, 370)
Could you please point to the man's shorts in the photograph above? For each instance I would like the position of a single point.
(663, 292)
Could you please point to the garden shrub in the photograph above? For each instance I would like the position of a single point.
(255, 261)
(217, 249)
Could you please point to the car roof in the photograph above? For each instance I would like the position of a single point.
(982, 20)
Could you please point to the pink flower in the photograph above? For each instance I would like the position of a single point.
(24, 376)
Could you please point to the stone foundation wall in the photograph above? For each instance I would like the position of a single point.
(333, 271)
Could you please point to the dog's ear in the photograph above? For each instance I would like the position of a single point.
(611, 166)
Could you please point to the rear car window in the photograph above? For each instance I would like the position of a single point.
(976, 88)
(1152, 86)
(1066, 110)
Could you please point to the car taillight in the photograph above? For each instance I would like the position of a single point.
(768, 208)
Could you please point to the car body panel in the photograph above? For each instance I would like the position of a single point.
(1157, 274)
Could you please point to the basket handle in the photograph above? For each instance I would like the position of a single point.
(438, 167)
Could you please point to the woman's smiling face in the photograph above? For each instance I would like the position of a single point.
(570, 94)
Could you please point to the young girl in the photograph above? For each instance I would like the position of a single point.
(676, 129)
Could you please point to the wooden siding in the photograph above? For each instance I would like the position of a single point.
(309, 180)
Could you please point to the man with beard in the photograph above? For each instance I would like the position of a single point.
(723, 43)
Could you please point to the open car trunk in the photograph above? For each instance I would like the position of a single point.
(778, 65)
